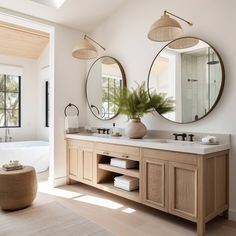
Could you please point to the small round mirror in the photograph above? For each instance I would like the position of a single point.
(191, 72)
(105, 77)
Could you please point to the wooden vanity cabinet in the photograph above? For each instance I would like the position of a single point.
(191, 186)
(80, 161)
(183, 190)
(155, 183)
(194, 187)
(72, 159)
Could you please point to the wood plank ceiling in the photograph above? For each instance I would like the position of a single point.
(21, 42)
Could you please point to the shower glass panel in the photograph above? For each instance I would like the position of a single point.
(214, 77)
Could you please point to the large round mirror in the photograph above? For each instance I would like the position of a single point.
(191, 72)
(105, 77)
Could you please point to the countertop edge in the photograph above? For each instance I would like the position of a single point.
(200, 150)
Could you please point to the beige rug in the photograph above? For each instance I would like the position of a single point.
(51, 219)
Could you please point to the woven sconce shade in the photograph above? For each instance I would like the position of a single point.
(108, 61)
(165, 29)
(183, 43)
(84, 50)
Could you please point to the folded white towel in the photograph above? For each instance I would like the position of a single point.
(126, 179)
(209, 139)
(123, 163)
(125, 187)
(71, 122)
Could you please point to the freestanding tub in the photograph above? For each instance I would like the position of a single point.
(30, 153)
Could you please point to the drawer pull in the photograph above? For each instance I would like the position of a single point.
(125, 156)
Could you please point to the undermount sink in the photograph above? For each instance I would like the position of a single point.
(101, 135)
(175, 142)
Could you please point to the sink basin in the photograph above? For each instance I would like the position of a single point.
(174, 142)
(101, 135)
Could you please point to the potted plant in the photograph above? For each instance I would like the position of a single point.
(135, 103)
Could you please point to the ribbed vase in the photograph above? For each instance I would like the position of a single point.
(135, 128)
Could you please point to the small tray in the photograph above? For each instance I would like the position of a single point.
(209, 143)
(10, 168)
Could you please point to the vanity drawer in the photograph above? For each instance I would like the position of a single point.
(120, 151)
(186, 158)
(79, 143)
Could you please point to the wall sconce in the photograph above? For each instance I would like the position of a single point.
(85, 50)
(108, 61)
(166, 28)
(183, 43)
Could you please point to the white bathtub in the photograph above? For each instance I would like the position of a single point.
(32, 153)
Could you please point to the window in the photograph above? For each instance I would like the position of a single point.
(10, 100)
(110, 85)
(46, 104)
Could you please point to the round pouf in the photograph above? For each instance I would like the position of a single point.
(18, 188)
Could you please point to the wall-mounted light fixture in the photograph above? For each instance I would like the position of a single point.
(108, 61)
(183, 43)
(85, 50)
(166, 28)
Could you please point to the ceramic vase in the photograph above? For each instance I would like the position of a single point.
(135, 128)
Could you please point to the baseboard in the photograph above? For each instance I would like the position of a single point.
(232, 214)
(57, 181)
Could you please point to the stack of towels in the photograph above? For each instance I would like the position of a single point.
(126, 164)
(71, 124)
(127, 183)
(209, 140)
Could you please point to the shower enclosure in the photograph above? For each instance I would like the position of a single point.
(201, 81)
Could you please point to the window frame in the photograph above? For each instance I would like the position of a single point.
(47, 104)
(19, 101)
(108, 87)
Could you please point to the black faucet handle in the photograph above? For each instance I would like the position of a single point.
(183, 135)
(191, 137)
(176, 136)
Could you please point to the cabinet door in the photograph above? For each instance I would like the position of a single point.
(155, 183)
(73, 161)
(88, 165)
(183, 190)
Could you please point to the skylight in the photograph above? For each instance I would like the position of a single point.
(50, 3)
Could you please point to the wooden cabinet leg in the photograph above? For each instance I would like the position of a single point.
(68, 181)
(201, 227)
(225, 214)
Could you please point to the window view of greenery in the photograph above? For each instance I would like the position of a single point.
(9, 101)
(109, 86)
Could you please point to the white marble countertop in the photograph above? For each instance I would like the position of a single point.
(154, 143)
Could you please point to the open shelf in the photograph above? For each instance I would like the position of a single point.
(129, 172)
(109, 187)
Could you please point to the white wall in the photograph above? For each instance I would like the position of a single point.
(27, 131)
(125, 37)
(67, 76)
(43, 75)
(69, 86)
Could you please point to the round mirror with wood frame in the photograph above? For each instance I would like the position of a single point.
(190, 71)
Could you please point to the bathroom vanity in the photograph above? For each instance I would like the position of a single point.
(185, 179)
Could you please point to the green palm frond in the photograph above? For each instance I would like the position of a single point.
(136, 102)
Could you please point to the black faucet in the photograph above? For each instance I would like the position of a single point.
(183, 135)
(104, 131)
(191, 137)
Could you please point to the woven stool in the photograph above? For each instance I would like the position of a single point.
(18, 188)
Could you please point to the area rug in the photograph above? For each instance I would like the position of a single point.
(51, 219)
